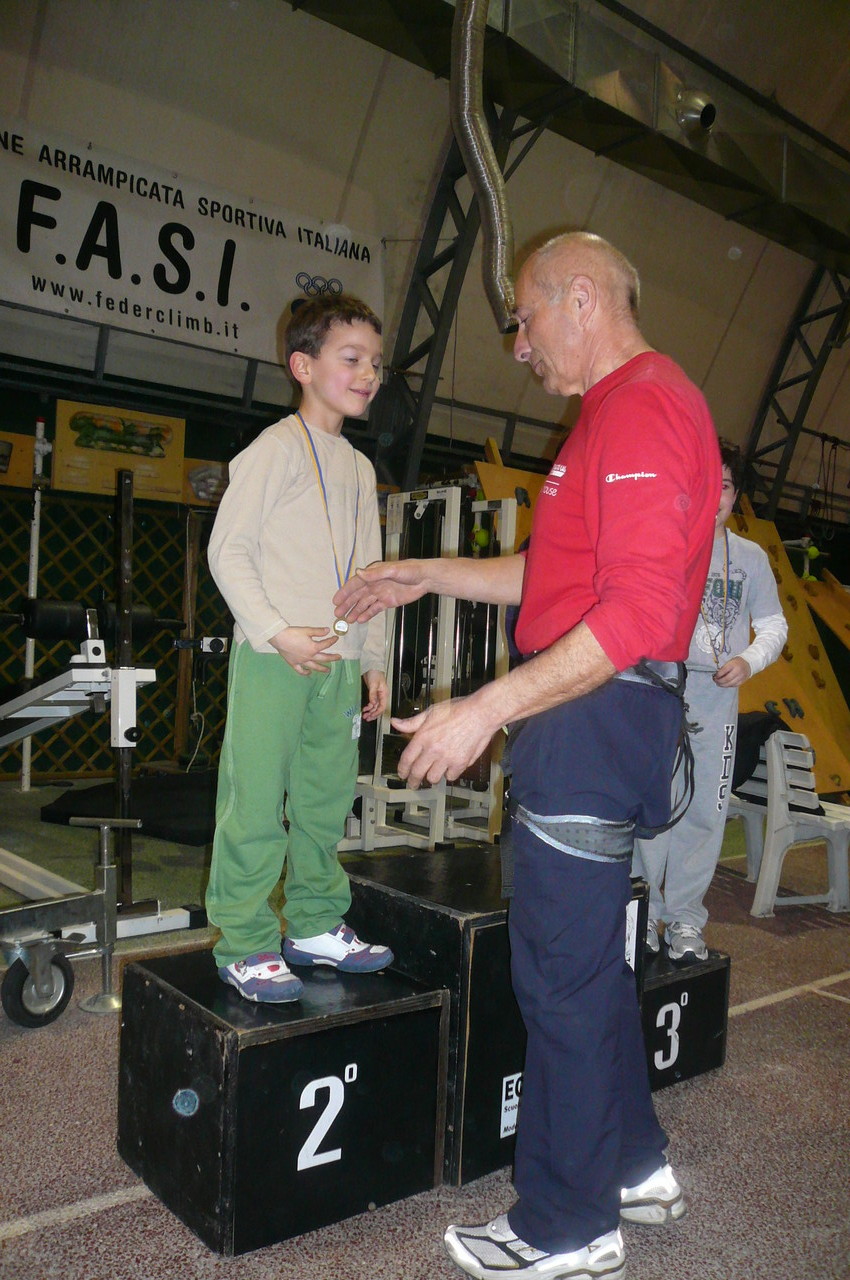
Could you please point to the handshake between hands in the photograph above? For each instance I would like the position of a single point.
(446, 737)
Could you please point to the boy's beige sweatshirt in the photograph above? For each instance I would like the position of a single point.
(270, 551)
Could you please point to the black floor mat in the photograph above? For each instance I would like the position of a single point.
(172, 806)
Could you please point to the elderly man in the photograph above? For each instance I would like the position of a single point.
(610, 590)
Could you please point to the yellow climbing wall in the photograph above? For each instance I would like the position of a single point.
(497, 482)
(801, 685)
(831, 601)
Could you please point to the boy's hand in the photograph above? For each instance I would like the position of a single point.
(733, 673)
(376, 687)
(304, 648)
(382, 585)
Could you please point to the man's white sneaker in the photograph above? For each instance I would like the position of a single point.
(685, 943)
(655, 1201)
(652, 944)
(492, 1251)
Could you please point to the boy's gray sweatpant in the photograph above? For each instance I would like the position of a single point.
(678, 864)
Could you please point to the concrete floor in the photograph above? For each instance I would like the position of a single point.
(761, 1145)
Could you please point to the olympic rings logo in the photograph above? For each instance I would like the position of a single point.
(315, 286)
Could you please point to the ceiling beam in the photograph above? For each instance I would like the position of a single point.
(402, 410)
(818, 326)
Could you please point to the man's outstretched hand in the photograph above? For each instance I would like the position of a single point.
(447, 738)
(382, 585)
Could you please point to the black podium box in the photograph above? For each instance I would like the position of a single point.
(254, 1123)
(684, 1010)
(444, 917)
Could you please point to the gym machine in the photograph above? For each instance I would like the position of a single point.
(439, 648)
(62, 921)
(39, 981)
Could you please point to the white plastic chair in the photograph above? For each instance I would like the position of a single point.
(784, 779)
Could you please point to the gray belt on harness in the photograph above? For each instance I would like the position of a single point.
(666, 670)
(582, 835)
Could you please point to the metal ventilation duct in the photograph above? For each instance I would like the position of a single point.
(597, 75)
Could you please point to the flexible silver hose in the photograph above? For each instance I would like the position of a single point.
(473, 138)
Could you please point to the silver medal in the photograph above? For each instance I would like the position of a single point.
(340, 626)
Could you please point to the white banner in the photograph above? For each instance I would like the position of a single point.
(90, 234)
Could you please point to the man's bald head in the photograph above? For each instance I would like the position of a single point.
(556, 263)
(576, 310)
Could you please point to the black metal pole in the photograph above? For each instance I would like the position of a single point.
(124, 658)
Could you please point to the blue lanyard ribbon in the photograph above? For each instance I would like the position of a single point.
(324, 493)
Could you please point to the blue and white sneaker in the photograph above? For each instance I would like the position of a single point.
(340, 948)
(263, 978)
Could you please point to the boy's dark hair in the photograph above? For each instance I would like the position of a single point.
(312, 319)
(731, 457)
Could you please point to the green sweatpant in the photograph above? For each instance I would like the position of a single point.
(290, 734)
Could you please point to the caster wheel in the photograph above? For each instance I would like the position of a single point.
(22, 1002)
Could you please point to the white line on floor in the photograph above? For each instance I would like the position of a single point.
(833, 995)
(790, 993)
(68, 1212)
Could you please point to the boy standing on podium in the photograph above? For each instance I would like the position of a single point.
(299, 513)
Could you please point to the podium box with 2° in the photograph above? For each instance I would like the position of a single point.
(255, 1123)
